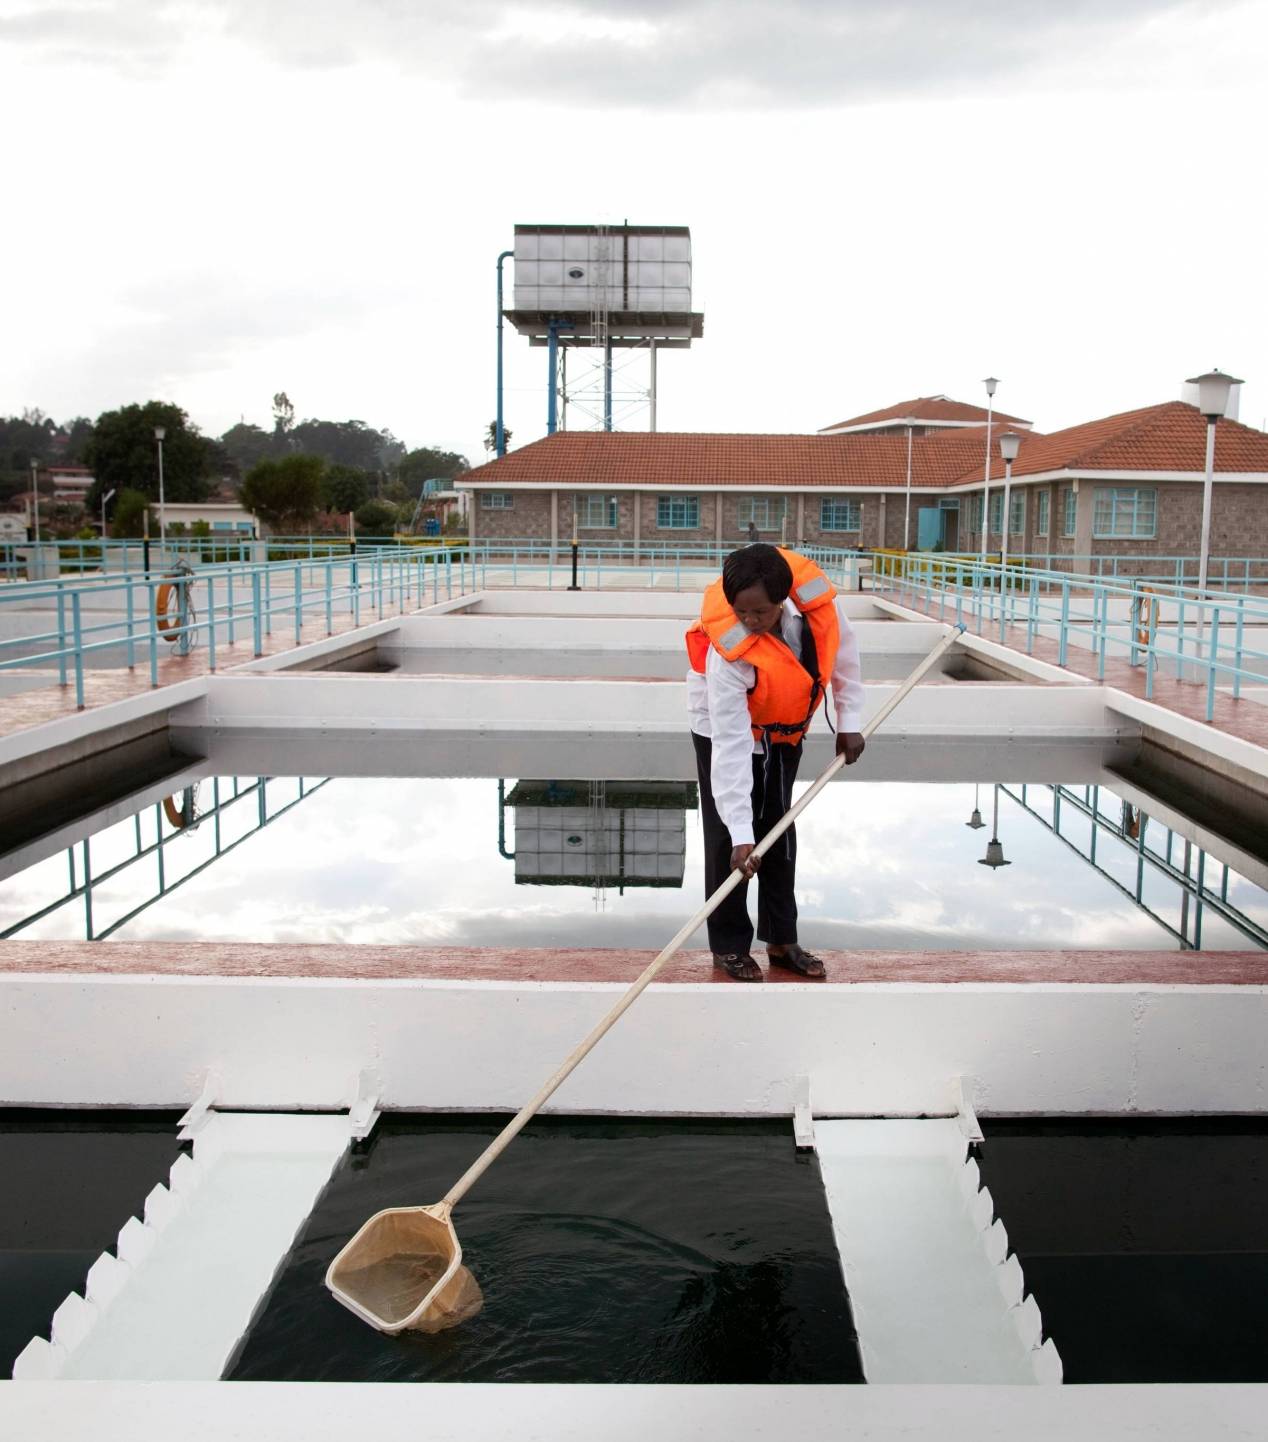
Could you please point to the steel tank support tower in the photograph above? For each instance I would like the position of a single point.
(602, 289)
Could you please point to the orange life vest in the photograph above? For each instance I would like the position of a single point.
(783, 700)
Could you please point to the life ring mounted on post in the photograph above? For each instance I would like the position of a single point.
(1146, 615)
(174, 615)
(183, 816)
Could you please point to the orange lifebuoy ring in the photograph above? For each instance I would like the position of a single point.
(178, 815)
(1146, 616)
(167, 611)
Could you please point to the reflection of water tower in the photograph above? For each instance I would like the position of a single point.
(598, 833)
(598, 289)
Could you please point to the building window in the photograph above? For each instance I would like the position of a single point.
(767, 513)
(1129, 511)
(975, 514)
(1041, 514)
(595, 513)
(840, 515)
(497, 501)
(997, 511)
(678, 513)
(1069, 510)
(1017, 513)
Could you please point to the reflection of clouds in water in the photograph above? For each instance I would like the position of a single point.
(416, 862)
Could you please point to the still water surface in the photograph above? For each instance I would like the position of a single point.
(438, 862)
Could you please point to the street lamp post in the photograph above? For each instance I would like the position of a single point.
(1213, 392)
(499, 426)
(35, 495)
(994, 857)
(104, 499)
(1009, 445)
(159, 433)
(975, 821)
(907, 503)
(990, 383)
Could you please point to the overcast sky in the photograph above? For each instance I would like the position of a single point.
(213, 200)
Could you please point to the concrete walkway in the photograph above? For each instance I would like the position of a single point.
(1240, 718)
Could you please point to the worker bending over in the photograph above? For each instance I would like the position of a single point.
(772, 638)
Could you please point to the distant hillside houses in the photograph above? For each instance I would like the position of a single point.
(910, 475)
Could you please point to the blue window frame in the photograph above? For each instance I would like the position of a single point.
(838, 514)
(1041, 514)
(1125, 512)
(678, 513)
(1069, 511)
(497, 500)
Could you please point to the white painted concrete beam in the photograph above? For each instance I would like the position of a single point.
(868, 1049)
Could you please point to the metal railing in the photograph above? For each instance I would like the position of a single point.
(1215, 640)
(1187, 865)
(134, 619)
(151, 833)
(1225, 573)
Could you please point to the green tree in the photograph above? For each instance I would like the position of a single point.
(247, 446)
(123, 454)
(344, 488)
(129, 514)
(429, 463)
(285, 493)
(377, 518)
(491, 436)
(283, 415)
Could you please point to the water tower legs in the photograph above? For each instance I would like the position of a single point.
(552, 376)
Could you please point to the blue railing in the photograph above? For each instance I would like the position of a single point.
(76, 623)
(1213, 639)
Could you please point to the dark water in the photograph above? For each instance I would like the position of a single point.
(1145, 1243)
(68, 1182)
(616, 1251)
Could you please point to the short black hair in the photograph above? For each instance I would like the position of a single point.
(757, 565)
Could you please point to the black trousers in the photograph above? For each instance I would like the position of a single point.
(730, 929)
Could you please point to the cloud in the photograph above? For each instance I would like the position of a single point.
(646, 53)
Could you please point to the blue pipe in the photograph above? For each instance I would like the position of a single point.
(500, 428)
(552, 376)
(607, 385)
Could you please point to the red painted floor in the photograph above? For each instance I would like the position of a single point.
(372, 963)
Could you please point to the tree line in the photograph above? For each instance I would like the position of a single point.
(298, 475)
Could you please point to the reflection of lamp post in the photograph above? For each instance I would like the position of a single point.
(990, 383)
(994, 857)
(159, 433)
(1213, 390)
(1009, 445)
(104, 499)
(975, 821)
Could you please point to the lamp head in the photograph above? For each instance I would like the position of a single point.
(1213, 392)
(1009, 445)
(160, 432)
(994, 855)
(990, 383)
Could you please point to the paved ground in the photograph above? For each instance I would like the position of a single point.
(369, 963)
(1242, 718)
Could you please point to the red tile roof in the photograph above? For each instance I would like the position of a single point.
(749, 462)
(928, 409)
(1167, 437)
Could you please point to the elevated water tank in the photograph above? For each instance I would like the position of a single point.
(635, 280)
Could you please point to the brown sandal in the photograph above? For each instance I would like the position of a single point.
(740, 966)
(804, 963)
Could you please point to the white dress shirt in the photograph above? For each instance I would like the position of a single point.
(717, 704)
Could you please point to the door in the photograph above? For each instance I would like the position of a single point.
(929, 528)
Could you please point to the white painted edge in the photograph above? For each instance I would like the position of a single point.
(803, 1118)
(967, 1117)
